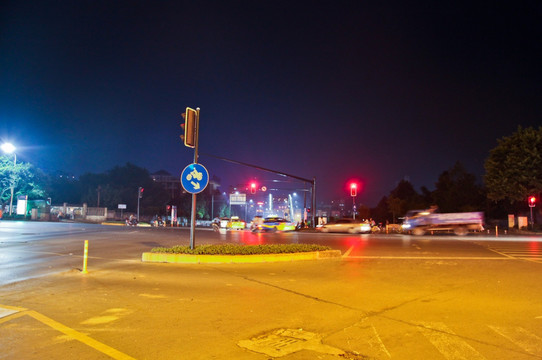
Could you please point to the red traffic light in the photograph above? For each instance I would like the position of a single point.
(253, 188)
(353, 189)
(532, 201)
(141, 192)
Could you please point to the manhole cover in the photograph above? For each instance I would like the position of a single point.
(286, 341)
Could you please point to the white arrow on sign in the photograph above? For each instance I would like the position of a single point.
(195, 184)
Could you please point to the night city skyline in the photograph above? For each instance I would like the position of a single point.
(332, 90)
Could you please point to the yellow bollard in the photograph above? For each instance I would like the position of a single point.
(85, 258)
(496, 231)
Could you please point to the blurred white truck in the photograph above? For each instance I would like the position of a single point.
(420, 222)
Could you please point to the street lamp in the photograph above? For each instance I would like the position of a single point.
(9, 148)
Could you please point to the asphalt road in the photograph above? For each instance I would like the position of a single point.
(388, 297)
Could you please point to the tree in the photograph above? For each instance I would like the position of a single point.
(514, 166)
(23, 177)
(120, 185)
(396, 206)
(457, 190)
(408, 198)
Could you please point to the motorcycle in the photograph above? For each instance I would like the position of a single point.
(131, 222)
(157, 222)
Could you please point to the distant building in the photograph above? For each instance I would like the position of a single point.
(170, 183)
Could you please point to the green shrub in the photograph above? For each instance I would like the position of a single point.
(231, 249)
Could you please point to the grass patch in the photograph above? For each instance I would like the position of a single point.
(230, 249)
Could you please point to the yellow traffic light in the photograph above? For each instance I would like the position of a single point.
(189, 127)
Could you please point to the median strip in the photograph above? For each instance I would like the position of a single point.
(230, 259)
(221, 254)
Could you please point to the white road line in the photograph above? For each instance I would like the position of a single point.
(6, 312)
(448, 344)
(379, 343)
(521, 337)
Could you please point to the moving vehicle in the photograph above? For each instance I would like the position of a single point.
(352, 226)
(256, 223)
(236, 224)
(277, 224)
(422, 221)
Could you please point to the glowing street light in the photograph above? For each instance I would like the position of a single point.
(9, 149)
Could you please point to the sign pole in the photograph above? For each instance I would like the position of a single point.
(193, 218)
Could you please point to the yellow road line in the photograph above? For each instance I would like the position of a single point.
(74, 334)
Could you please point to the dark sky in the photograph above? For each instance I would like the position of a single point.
(376, 91)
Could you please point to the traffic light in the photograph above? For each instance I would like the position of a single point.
(532, 201)
(189, 127)
(253, 188)
(353, 189)
(168, 208)
(141, 192)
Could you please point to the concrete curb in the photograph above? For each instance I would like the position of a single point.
(123, 224)
(238, 259)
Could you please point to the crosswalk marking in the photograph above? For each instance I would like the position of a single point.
(523, 251)
(448, 343)
(521, 337)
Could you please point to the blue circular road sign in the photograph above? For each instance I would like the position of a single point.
(194, 178)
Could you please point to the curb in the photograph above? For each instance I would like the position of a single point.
(124, 224)
(238, 259)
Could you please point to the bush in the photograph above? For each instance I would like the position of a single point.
(231, 249)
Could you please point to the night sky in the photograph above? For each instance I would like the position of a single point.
(374, 91)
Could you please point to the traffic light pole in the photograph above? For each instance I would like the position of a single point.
(193, 215)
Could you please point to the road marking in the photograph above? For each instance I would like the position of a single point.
(532, 255)
(283, 342)
(19, 312)
(521, 337)
(448, 343)
(6, 311)
(379, 343)
(348, 251)
(420, 257)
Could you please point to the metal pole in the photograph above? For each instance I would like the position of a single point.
(193, 218)
(313, 224)
(354, 207)
(138, 193)
(12, 185)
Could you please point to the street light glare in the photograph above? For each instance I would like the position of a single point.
(8, 148)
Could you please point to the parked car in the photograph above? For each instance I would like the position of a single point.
(352, 226)
(277, 224)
